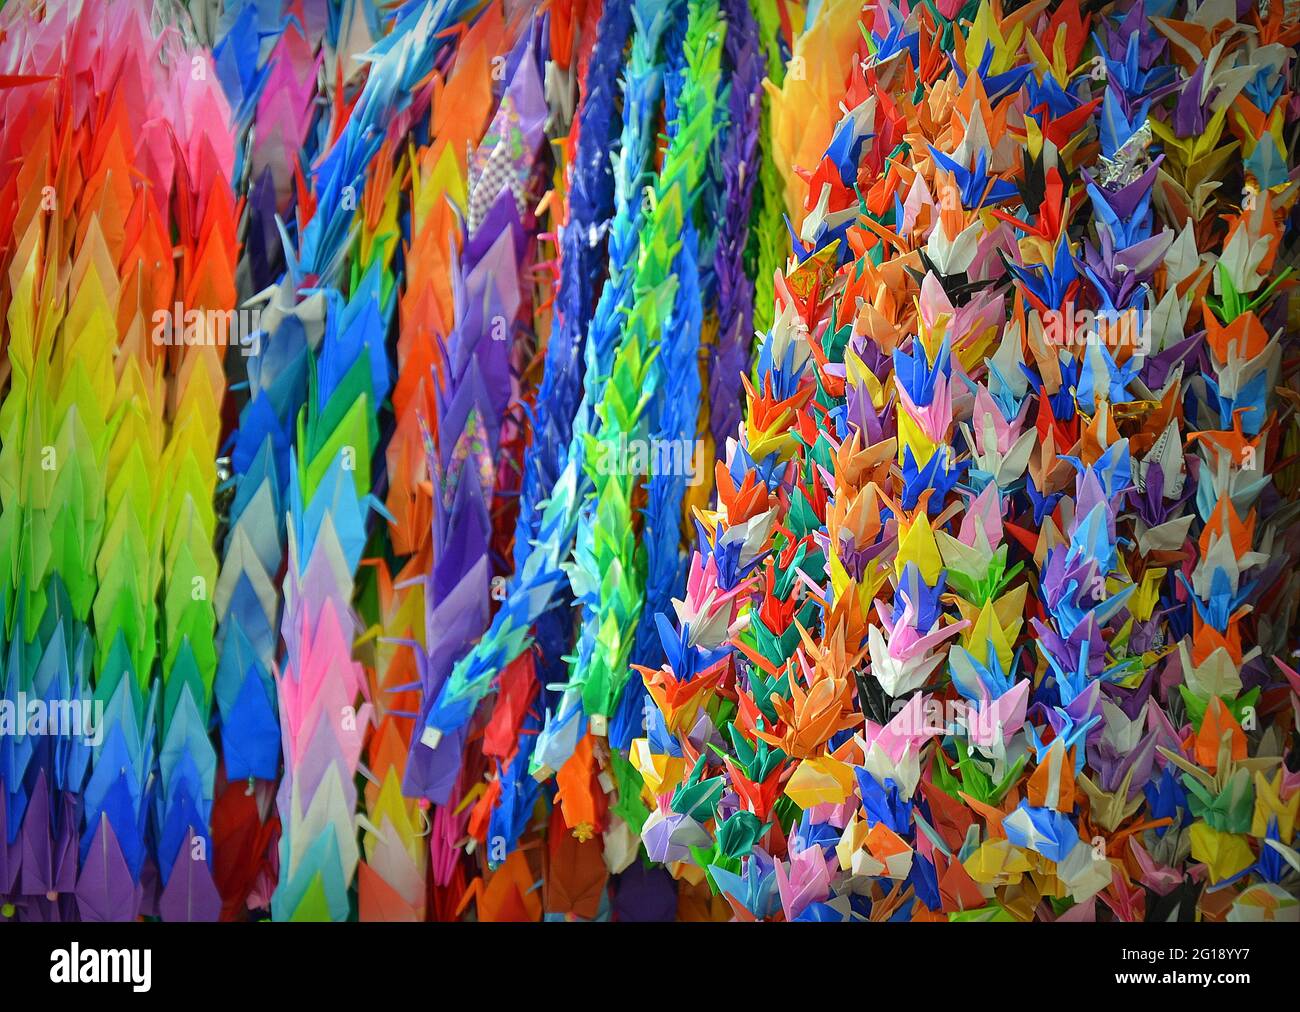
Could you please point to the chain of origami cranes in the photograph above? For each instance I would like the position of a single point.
(649, 460)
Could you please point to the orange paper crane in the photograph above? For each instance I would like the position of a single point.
(822, 706)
